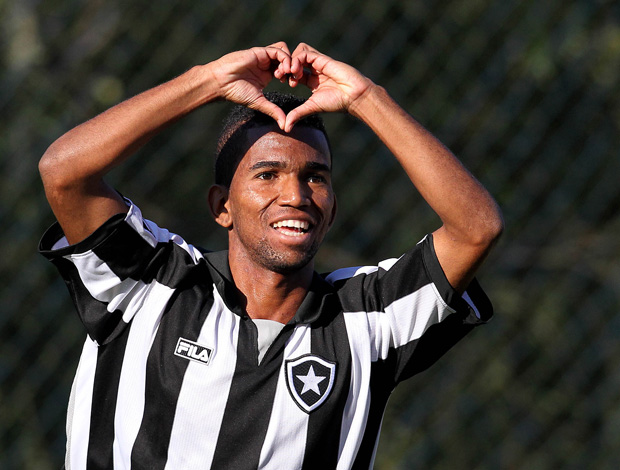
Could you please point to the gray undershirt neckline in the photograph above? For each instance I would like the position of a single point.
(267, 332)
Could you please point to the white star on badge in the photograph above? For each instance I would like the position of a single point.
(311, 381)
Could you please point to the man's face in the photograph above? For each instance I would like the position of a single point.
(281, 202)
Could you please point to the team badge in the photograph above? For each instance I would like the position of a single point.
(310, 380)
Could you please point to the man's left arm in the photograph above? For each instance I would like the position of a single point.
(471, 219)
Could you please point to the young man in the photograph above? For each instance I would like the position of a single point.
(247, 358)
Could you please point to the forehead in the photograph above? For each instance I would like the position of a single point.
(302, 143)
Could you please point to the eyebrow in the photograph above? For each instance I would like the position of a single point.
(316, 166)
(268, 164)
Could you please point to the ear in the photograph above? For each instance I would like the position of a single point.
(218, 204)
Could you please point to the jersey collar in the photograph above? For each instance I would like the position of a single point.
(318, 303)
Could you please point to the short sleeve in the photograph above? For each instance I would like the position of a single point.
(410, 311)
(111, 273)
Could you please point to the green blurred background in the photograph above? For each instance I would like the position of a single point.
(526, 93)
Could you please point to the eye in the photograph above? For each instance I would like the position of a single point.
(265, 175)
(316, 178)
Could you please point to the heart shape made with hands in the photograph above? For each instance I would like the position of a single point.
(334, 85)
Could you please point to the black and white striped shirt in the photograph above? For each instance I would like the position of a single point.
(170, 377)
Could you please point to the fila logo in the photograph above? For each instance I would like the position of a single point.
(193, 351)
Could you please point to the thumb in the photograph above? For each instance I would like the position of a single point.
(265, 106)
(297, 114)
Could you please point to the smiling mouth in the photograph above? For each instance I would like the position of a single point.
(294, 228)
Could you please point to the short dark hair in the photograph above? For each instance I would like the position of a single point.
(232, 142)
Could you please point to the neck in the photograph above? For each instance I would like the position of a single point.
(265, 294)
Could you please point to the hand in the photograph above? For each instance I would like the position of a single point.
(335, 85)
(241, 76)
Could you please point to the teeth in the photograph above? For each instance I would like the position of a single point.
(296, 224)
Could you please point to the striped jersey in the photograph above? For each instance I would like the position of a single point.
(170, 376)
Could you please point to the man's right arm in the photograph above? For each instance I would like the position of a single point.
(74, 166)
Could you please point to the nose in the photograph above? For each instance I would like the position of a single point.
(294, 192)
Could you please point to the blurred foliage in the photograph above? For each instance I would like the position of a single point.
(525, 92)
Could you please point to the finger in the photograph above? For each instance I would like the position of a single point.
(280, 73)
(266, 58)
(284, 70)
(311, 64)
(280, 60)
(300, 66)
(299, 58)
(298, 113)
(297, 68)
(265, 106)
(308, 78)
(313, 60)
(303, 47)
(302, 50)
(281, 45)
(285, 67)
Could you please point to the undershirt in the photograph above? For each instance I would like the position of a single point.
(267, 332)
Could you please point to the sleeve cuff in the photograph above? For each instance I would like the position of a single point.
(474, 304)
(54, 244)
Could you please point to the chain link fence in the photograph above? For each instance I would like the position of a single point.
(526, 93)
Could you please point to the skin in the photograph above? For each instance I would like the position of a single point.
(282, 177)
(73, 169)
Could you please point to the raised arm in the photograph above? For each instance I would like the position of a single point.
(74, 166)
(471, 219)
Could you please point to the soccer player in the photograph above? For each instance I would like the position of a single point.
(248, 358)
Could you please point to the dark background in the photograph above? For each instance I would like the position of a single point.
(526, 93)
